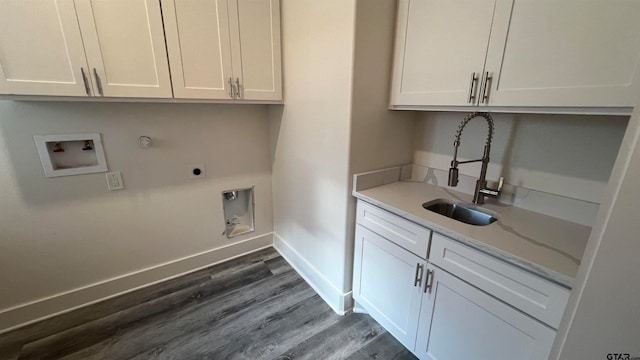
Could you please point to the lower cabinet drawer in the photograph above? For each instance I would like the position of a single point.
(521, 289)
(396, 229)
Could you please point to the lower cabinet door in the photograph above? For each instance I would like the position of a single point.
(388, 283)
(459, 321)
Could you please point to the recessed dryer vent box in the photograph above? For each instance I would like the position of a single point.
(238, 212)
(71, 154)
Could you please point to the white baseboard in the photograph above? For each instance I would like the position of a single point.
(44, 308)
(358, 309)
(340, 302)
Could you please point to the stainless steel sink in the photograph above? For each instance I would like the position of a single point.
(466, 213)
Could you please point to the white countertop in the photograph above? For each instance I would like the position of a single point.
(547, 246)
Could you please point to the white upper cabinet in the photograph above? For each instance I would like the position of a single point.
(224, 49)
(440, 48)
(256, 50)
(189, 49)
(125, 47)
(199, 48)
(564, 53)
(112, 48)
(539, 53)
(41, 50)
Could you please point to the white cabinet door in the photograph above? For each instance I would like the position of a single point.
(125, 46)
(439, 45)
(458, 321)
(199, 48)
(388, 284)
(41, 49)
(564, 53)
(255, 45)
(224, 49)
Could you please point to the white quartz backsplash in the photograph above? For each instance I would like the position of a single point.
(561, 207)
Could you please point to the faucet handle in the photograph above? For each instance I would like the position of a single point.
(500, 184)
(494, 193)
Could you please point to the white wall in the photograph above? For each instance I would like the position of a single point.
(334, 123)
(310, 143)
(602, 316)
(59, 234)
(568, 155)
(380, 138)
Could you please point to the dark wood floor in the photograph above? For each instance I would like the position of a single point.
(254, 307)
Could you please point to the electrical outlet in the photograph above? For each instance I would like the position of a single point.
(114, 181)
(196, 171)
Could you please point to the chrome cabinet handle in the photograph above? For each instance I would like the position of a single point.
(239, 95)
(485, 89)
(428, 284)
(86, 82)
(98, 82)
(231, 90)
(472, 86)
(419, 270)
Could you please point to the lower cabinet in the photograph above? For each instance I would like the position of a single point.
(436, 314)
(459, 321)
(388, 284)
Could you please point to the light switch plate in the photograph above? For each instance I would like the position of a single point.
(114, 181)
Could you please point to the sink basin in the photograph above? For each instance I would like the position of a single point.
(466, 213)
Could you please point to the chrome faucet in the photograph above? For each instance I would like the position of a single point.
(481, 185)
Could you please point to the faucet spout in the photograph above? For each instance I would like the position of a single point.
(481, 185)
(465, 121)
